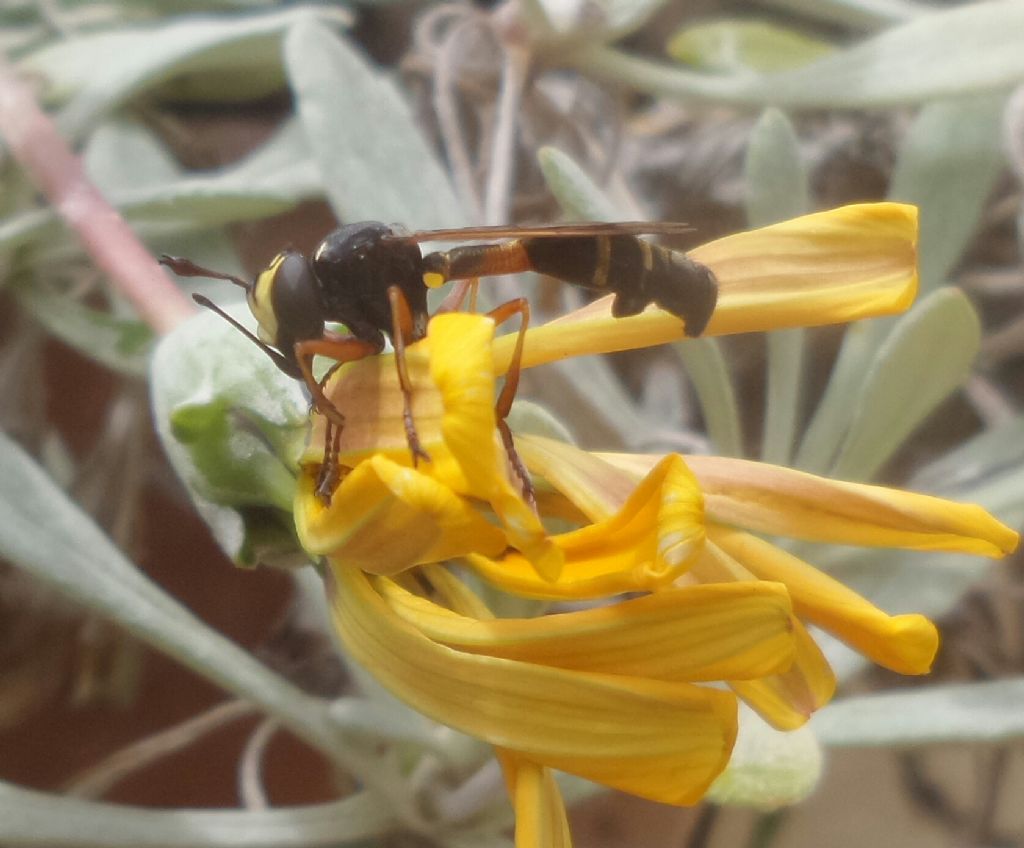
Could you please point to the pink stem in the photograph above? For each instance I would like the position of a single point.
(37, 146)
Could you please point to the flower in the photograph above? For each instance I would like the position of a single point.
(615, 693)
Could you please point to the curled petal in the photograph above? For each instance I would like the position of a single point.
(540, 812)
(596, 487)
(659, 740)
(827, 268)
(784, 502)
(461, 368)
(788, 699)
(647, 544)
(695, 633)
(453, 395)
(904, 643)
(386, 517)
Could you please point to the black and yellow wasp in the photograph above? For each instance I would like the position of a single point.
(373, 278)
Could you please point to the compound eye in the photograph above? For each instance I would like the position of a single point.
(297, 302)
(285, 300)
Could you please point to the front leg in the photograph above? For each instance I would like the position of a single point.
(342, 349)
(401, 328)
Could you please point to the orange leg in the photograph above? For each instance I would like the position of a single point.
(401, 329)
(327, 478)
(342, 349)
(520, 306)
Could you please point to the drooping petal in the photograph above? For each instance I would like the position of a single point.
(386, 517)
(540, 812)
(785, 502)
(904, 643)
(647, 544)
(695, 633)
(826, 268)
(659, 740)
(788, 698)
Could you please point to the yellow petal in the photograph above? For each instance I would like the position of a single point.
(368, 394)
(647, 544)
(786, 700)
(658, 740)
(597, 487)
(453, 396)
(696, 633)
(904, 643)
(461, 368)
(540, 811)
(386, 517)
(784, 502)
(827, 268)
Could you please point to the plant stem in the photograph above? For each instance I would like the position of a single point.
(36, 145)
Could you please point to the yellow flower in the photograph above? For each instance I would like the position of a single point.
(614, 693)
(854, 262)
(740, 495)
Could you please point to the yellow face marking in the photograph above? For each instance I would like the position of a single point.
(432, 280)
(604, 256)
(261, 301)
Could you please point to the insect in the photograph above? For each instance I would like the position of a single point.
(373, 278)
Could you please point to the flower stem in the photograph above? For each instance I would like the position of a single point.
(34, 142)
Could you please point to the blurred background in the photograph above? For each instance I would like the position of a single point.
(226, 131)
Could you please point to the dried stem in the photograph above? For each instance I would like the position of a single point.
(100, 778)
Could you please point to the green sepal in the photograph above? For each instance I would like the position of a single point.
(233, 426)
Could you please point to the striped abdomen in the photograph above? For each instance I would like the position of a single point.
(637, 272)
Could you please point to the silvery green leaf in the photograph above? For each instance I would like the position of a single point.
(925, 359)
(375, 162)
(141, 179)
(578, 195)
(769, 768)
(967, 712)
(37, 225)
(591, 19)
(233, 55)
(122, 154)
(867, 14)
(776, 179)
(32, 818)
(961, 51)
(582, 200)
(777, 189)
(121, 344)
(948, 165)
(706, 366)
(529, 417)
(233, 426)
(741, 46)
(976, 463)
(48, 536)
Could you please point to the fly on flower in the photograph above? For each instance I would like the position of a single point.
(373, 278)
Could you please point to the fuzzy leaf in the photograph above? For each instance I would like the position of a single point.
(375, 161)
(741, 46)
(969, 712)
(924, 360)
